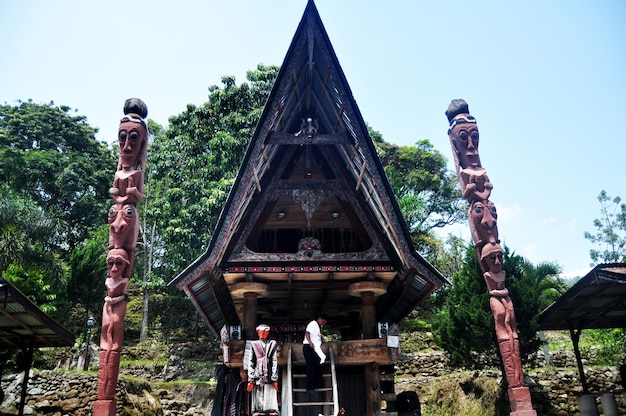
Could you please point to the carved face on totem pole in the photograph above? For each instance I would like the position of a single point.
(123, 226)
(117, 262)
(132, 135)
(483, 221)
(491, 259)
(463, 134)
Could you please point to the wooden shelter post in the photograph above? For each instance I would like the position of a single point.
(28, 359)
(249, 314)
(575, 334)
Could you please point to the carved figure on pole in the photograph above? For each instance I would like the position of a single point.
(133, 141)
(476, 188)
(503, 313)
(115, 301)
(464, 137)
(113, 313)
(124, 230)
(483, 221)
(123, 221)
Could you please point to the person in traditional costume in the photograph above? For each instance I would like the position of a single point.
(263, 374)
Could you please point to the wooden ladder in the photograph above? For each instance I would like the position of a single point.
(296, 400)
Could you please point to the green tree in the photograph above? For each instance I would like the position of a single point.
(427, 192)
(465, 325)
(448, 255)
(610, 234)
(53, 157)
(193, 166)
(532, 287)
(89, 271)
(27, 256)
(150, 244)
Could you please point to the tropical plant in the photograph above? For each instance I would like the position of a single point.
(89, 271)
(465, 326)
(27, 256)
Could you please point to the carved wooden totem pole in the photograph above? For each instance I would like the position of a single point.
(476, 188)
(127, 191)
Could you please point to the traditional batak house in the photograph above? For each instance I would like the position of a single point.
(311, 225)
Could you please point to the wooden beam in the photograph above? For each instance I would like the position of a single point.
(319, 139)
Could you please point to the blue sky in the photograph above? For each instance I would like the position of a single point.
(545, 79)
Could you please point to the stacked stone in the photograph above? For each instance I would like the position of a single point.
(432, 364)
(55, 393)
(476, 189)
(127, 191)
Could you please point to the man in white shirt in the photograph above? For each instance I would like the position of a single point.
(313, 354)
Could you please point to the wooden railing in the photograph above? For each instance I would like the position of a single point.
(354, 352)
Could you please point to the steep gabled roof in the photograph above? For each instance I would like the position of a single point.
(311, 211)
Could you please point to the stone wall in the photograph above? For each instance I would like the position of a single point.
(59, 393)
(554, 389)
(69, 393)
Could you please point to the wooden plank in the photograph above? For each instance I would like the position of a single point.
(334, 382)
(289, 404)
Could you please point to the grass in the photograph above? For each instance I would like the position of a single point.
(178, 384)
(600, 346)
(142, 363)
(464, 393)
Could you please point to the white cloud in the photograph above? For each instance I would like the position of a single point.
(575, 274)
(572, 223)
(549, 220)
(508, 213)
(529, 251)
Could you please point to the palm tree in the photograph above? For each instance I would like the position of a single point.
(532, 287)
(27, 256)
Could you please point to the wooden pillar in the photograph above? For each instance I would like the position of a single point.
(368, 291)
(369, 315)
(372, 389)
(249, 315)
(250, 292)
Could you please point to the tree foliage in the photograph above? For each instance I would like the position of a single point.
(53, 157)
(610, 231)
(193, 166)
(426, 191)
(465, 323)
(88, 266)
(27, 255)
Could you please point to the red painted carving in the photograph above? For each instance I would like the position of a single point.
(123, 231)
(476, 188)
(123, 221)
(483, 221)
(133, 141)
